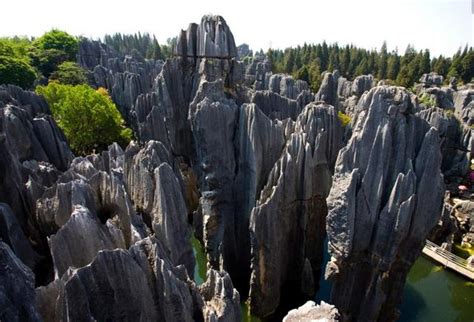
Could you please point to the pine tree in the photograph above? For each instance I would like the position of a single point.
(382, 63)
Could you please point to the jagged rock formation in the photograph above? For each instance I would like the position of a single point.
(157, 194)
(456, 161)
(431, 79)
(17, 294)
(32, 152)
(221, 300)
(386, 196)
(311, 311)
(124, 77)
(248, 157)
(291, 211)
(12, 234)
(258, 71)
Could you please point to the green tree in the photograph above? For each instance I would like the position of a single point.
(467, 67)
(383, 62)
(290, 62)
(59, 40)
(70, 73)
(441, 66)
(88, 117)
(16, 71)
(51, 49)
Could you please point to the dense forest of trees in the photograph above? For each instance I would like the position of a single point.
(307, 62)
(138, 45)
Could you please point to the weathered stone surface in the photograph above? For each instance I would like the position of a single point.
(361, 84)
(455, 149)
(80, 239)
(244, 50)
(170, 217)
(112, 287)
(213, 121)
(291, 211)
(276, 106)
(140, 283)
(431, 79)
(12, 234)
(311, 311)
(211, 38)
(386, 196)
(328, 90)
(221, 300)
(32, 149)
(17, 293)
(464, 106)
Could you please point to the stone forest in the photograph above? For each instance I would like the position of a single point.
(241, 193)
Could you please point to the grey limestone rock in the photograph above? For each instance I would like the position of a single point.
(221, 300)
(291, 211)
(78, 241)
(361, 84)
(170, 217)
(386, 196)
(328, 90)
(213, 123)
(17, 293)
(12, 234)
(311, 311)
(431, 79)
(211, 38)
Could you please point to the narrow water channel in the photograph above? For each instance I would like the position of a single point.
(432, 293)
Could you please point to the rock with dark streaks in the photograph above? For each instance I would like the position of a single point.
(221, 300)
(291, 212)
(17, 293)
(386, 196)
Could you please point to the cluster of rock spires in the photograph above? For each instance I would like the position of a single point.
(258, 166)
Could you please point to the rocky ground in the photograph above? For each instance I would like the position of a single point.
(256, 166)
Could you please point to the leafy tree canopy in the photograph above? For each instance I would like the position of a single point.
(69, 73)
(88, 117)
(16, 71)
(59, 40)
(53, 48)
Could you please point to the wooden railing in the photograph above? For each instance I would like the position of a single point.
(448, 259)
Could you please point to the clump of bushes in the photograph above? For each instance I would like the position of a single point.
(427, 100)
(88, 117)
(16, 71)
(343, 118)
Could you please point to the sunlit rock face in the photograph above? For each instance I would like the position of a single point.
(386, 196)
(287, 225)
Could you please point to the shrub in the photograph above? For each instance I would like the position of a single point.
(16, 71)
(88, 117)
(427, 100)
(344, 118)
(70, 73)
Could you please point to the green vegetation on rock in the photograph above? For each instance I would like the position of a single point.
(88, 117)
(344, 118)
(70, 73)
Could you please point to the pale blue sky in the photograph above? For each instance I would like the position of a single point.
(440, 25)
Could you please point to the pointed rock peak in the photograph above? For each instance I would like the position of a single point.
(212, 38)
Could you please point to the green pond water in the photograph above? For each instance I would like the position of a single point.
(432, 294)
